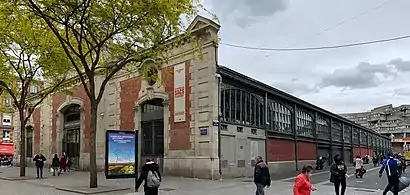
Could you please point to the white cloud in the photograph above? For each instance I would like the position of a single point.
(341, 80)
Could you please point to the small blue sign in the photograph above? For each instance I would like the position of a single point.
(215, 123)
(203, 130)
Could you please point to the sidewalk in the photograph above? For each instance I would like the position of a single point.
(170, 186)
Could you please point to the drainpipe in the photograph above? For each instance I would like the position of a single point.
(219, 77)
(219, 124)
(266, 127)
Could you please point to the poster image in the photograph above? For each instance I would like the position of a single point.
(121, 154)
(179, 92)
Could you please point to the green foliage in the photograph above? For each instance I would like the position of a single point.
(29, 56)
(102, 37)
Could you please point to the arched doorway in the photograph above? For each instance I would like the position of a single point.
(152, 130)
(71, 133)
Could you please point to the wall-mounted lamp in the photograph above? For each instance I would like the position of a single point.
(102, 114)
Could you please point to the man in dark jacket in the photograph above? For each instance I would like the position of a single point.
(261, 176)
(152, 177)
(338, 175)
(39, 160)
(390, 164)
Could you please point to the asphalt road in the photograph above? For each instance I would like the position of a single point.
(324, 176)
(370, 181)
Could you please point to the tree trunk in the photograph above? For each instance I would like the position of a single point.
(93, 136)
(22, 146)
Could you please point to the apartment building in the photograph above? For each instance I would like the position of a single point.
(6, 131)
(387, 120)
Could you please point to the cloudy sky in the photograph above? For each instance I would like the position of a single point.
(340, 80)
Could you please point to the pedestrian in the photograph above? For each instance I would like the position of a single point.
(152, 177)
(39, 160)
(302, 184)
(374, 161)
(338, 175)
(403, 164)
(358, 166)
(261, 176)
(68, 164)
(55, 164)
(391, 166)
(63, 164)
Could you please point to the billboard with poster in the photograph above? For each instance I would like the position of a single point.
(120, 154)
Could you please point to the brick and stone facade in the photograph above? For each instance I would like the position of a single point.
(185, 152)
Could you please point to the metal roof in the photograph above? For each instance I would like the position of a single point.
(227, 72)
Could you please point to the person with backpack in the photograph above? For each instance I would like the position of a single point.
(152, 177)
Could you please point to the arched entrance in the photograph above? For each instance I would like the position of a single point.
(71, 133)
(152, 130)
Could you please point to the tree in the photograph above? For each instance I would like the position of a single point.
(29, 58)
(102, 37)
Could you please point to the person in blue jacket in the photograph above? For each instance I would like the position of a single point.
(390, 165)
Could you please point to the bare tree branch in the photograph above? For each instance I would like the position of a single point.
(63, 44)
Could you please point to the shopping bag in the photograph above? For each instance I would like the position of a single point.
(52, 170)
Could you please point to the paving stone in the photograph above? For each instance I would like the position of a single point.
(87, 190)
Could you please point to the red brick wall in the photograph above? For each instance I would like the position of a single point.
(280, 150)
(37, 128)
(306, 150)
(129, 95)
(362, 151)
(179, 133)
(58, 99)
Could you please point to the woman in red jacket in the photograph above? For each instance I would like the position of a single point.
(302, 184)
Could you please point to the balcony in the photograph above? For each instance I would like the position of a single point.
(376, 118)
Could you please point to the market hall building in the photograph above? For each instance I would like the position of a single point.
(199, 119)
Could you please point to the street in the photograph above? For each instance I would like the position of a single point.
(371, 184)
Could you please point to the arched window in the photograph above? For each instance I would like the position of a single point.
(323, 128)
(337, 131)
(241, 107)
(279, 118)
(304, 124)
(347, 133)
(355, 135)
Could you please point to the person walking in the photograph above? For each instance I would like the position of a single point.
(403, 164)
(375, 162)
(302, 184)
(390, 166)
(68, 164)
(338, 175)
(39, 160)
(359, 167)
(261, 176)
(55, 163)
(152, 177)
(63, 164)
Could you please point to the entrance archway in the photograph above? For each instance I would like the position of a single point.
(152, 130)
(71, 133)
